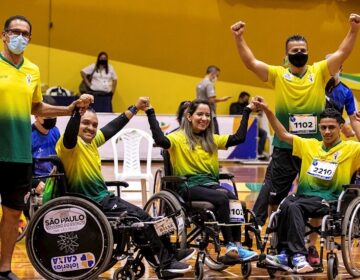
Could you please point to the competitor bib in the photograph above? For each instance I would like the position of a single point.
(302, 123)
(322, 169)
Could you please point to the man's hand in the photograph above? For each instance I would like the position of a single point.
(238, 28)
(143, 103)
(83, 102)
(259, 103)
(354, 20)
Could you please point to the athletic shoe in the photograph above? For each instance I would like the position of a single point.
(313, 256)
(10, 276)
(281, 260)
(178, 267)
(232, 251)
(300, 264)
(182, 255)
(246, 254)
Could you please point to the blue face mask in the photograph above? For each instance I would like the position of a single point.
(17, 43)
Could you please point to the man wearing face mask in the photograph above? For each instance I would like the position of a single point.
(44, 136)
(340, 97)
(206, 90)
(20, 91)
(299, 99)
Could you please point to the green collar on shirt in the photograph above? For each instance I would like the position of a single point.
(328, 149)
(16, 66)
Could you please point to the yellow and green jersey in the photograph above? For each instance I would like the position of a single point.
(299, 99)
(199, 166)
(324, 172)
(19, 87)
(82, 166)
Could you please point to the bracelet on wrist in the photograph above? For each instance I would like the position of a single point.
(133, 109)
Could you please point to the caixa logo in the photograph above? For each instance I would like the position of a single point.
(64, 220)
(72, 262)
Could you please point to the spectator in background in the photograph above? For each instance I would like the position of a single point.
(99, 79)
(340, 97)
(237, 108)
(206, 90)
(44, 136)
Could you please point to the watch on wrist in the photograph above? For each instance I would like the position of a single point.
(133, 109)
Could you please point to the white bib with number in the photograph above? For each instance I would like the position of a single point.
(236, 212)
(322, 169)
(302, 124)
(164, 226)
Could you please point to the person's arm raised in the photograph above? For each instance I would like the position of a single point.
(336, 60)
(279, 129)
(260, 68)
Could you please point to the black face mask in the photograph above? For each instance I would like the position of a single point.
(102, 62)
(49, 123)
(298, 59)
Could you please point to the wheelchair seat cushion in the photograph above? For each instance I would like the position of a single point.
(202, 205)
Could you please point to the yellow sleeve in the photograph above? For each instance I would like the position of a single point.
(272, 74)
(297, 146)
(220, 141)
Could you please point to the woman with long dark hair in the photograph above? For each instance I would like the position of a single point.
(193, 150)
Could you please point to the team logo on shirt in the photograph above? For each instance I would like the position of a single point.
(311, 78)
(288, 76)
(28, 78)
(337, 154)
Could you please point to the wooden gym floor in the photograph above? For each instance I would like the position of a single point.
(243, 173)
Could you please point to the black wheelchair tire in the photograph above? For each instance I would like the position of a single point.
(92, 263)
(352, 215)
(332, 267)
(246, 269)
(124, 273)
(175, 206)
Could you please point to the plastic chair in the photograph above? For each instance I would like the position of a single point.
(132, 139)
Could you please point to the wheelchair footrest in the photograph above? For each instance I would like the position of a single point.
(232, 261)
(164, 274)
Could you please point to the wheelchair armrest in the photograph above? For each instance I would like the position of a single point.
(174, 179)
(226, 176)
(54, 159)
(116, 184)
(351, 186)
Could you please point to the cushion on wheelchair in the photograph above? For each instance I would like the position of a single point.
(202, 205)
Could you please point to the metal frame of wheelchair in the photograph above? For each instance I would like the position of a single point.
(198, 216)
(345, 225)
(70, 237)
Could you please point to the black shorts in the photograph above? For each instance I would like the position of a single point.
(15, 183)
(280, 174)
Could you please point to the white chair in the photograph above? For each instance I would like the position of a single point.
(131, 139)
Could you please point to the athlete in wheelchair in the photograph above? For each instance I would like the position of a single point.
(326, 169)
(193, 151)
(71, 238)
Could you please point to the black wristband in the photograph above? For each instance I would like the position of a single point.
(133, 109)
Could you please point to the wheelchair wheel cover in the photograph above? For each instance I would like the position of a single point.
(171, 205)
(69, 238)
(350, 238)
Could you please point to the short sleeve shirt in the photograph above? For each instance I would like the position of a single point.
(294, 95)
(101, 81)
(20, 87)
(345, 155)
(204, 90)
(82, 166)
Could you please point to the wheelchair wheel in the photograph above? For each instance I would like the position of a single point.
(211, 260)
(164, 203)
(199, 270)
(124, 273)
(271, 272)
(246, 269)
(350, 238)
(332, 267)
(69, 238)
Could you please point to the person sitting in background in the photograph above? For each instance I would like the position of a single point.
(44, 136)
(79, 154)
(237, 108)
(100, 78)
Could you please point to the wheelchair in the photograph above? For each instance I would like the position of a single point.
(70, 237)
(339, 230)
(196, 225)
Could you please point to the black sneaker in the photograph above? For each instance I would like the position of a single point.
(182, 255)
(178, 267)
(10, 276)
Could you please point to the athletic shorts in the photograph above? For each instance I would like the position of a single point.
(15, 183)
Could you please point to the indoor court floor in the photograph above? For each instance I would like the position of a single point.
(243, 173)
